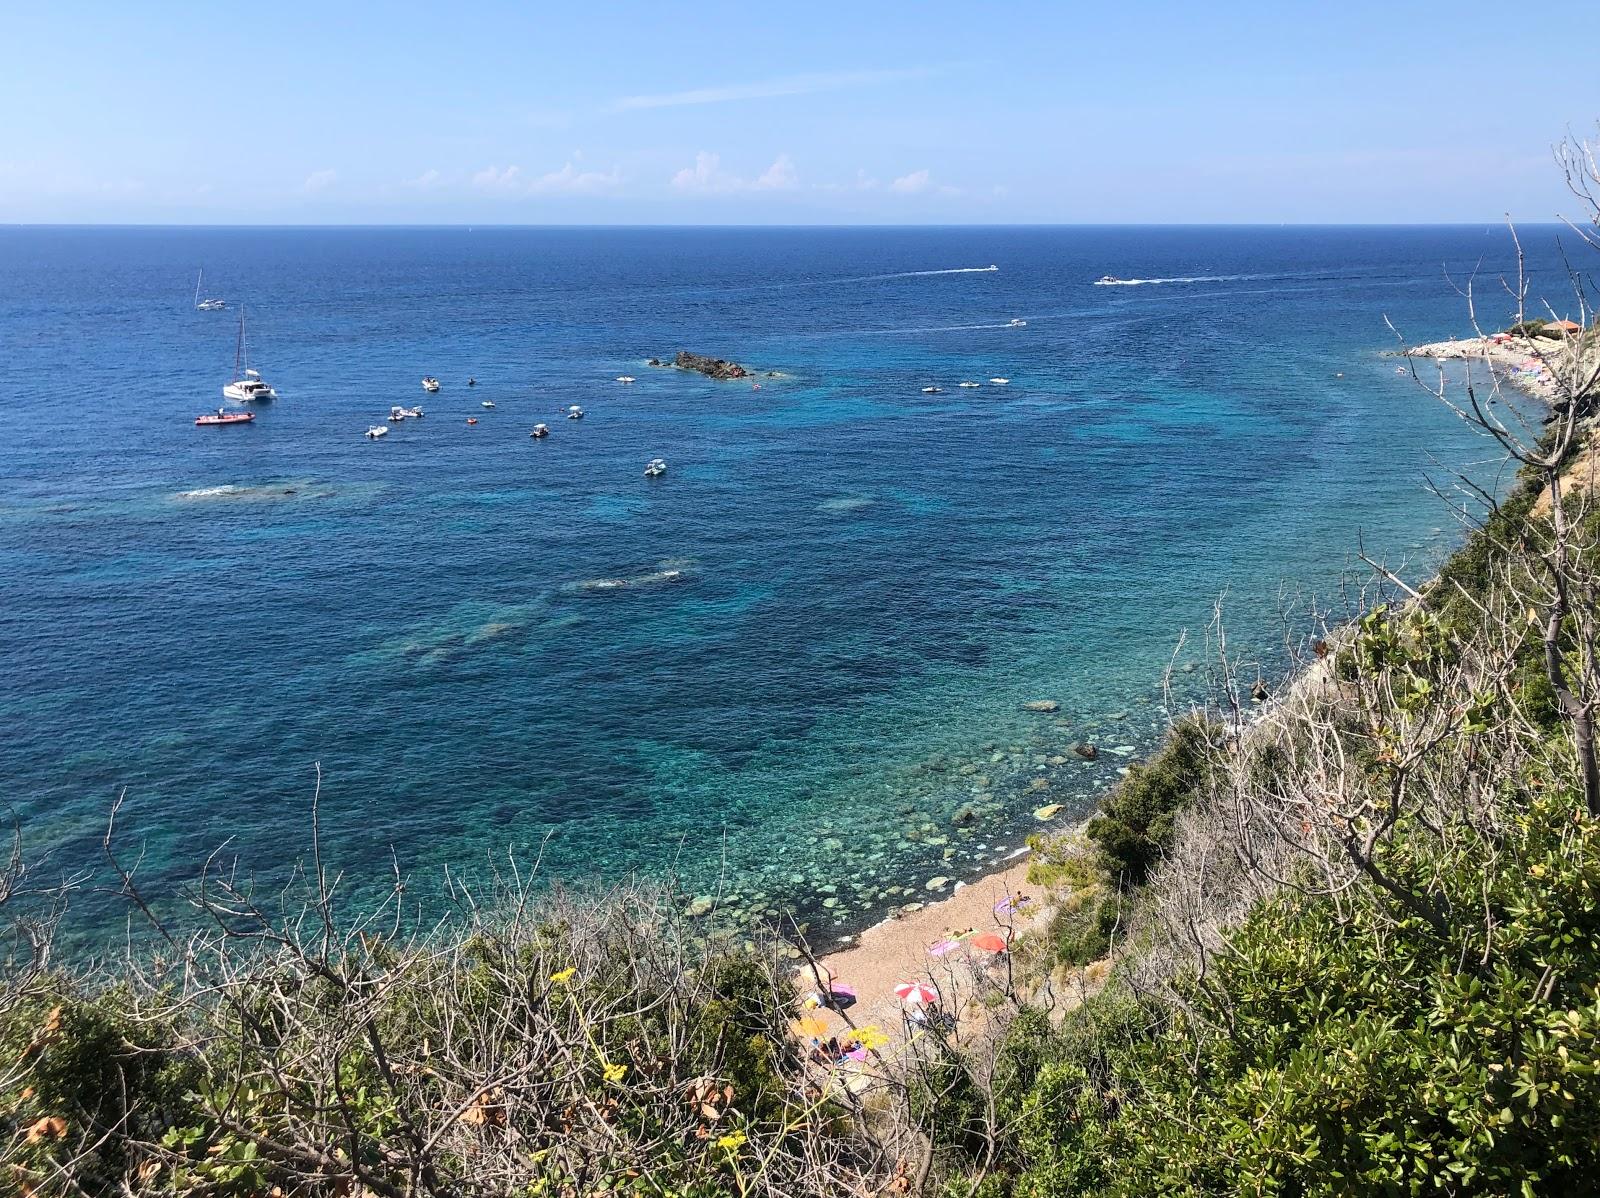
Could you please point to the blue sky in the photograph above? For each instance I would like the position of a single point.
(1166, 111)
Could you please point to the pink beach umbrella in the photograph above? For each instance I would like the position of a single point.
(916, 992)
(943, 947)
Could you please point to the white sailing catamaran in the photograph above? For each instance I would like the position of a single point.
(247, 384)
(205, 305)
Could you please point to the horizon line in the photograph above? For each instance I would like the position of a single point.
(470, 226)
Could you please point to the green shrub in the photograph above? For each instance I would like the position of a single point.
(1135, 822)
(1339, 1050)
(1082, 933)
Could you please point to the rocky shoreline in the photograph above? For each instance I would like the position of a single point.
(1524, 362)
(954, 820)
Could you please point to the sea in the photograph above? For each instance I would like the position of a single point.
(792, 672)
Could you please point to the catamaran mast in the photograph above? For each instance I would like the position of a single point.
(238, 349)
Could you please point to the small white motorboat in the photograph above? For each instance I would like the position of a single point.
(488, 403)
(969, 385)
(1016, 323)
(396, 414)
(655, 467)
(574, 412)
(1107, 281)
(377, 430)
(412, 413)
(429, 383)
(625, 378)
(999, 382)
(540, 430)
(932, 390)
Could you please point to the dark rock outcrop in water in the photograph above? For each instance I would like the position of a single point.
(712, 368)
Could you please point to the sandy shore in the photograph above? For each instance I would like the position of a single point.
(1522, 362)
(896, 950)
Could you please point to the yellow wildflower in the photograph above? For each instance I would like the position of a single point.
(615, 1073)
(564, 976)
(732, 1141)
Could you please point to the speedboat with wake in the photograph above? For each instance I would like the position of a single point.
(1108, 281)
(1016, 323)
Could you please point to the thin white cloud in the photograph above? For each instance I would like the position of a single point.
(510, 181)
(426, 181)
(570, 179)
(499, 180)
(707, 176)
(318, 181)
(780, 176)
(914, 182)
(862, 182)
(789, 85)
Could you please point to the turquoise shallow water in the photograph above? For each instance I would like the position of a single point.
(837, 600)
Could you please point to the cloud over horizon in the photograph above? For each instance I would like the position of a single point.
(788, 85)
(707, 176)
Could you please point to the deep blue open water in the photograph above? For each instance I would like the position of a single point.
(837, 599)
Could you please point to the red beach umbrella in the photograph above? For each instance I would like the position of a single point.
(916, 992)
(989, 941)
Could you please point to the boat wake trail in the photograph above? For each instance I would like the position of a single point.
(1186, 279)
(908, 274)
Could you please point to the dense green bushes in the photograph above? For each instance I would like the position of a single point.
(1345, 1051)
(1133, 827)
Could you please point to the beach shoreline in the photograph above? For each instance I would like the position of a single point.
(1520, 361)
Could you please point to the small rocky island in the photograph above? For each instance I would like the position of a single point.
(712, 368)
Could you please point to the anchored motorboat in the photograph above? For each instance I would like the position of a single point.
(398, 413)
(247, 384)
(574, 412)
(540, 430)
(999, 382)
(969, 384)
(655, 467)
(488, 403)
(625, 378)
(223, 416)
(376, 431)
(932, 390)
(429, 383)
